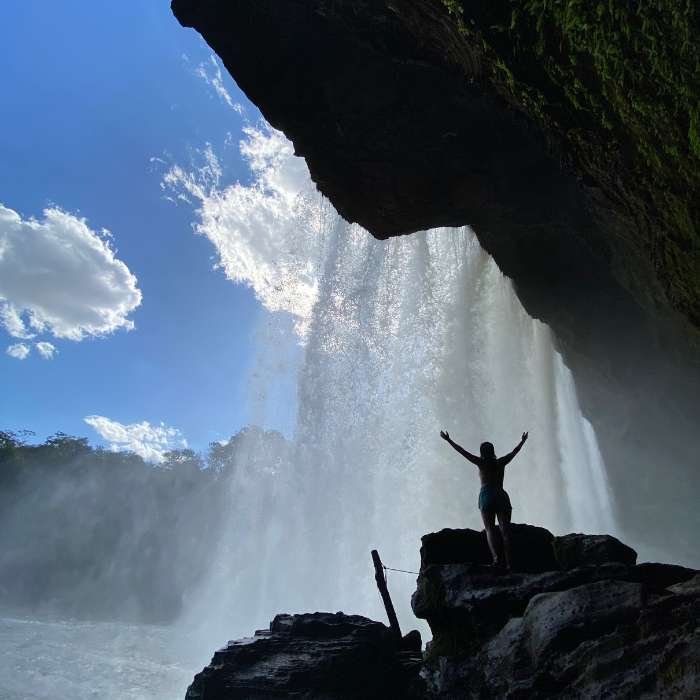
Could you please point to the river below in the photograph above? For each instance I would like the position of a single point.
(57, 660)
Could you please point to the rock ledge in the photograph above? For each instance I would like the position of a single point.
(578, 617)
(314, 655)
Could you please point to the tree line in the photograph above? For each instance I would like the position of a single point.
(88, 532)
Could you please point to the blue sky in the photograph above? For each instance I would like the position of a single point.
(93, 92)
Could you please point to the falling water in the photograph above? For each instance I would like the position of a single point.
(406, 337)
(403, 338)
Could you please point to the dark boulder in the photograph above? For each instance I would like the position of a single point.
(601, 640)
(450, 546)
(599, 626)
(690, 587)
(588, 550)
(323, 656)
(466, 605)
(560, 621)
(532, 548)
(660, 576)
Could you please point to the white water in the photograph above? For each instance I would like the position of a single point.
(406, 337)
(62, 660)
(401, 338)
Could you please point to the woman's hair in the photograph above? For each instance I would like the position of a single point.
(487, 451)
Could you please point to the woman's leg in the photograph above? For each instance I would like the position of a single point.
(489, 518)
(504, 523)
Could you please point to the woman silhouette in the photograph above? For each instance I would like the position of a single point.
(493, 499)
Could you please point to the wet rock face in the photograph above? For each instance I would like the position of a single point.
(589, 623)
(322, 656)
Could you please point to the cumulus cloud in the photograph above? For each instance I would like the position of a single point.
(269, 234)
(46, 350)
(13, 321)
(19, 351)
(60, 277)
(150, 442)
(211, 74)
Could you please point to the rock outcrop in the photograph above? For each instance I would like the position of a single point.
(577, 618)
(419, 113)
(567, 139)
(582, 620)
(314, 656)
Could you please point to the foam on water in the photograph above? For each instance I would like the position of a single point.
(94, 661)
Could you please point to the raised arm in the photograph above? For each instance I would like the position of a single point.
(505, 459)
(467, 455)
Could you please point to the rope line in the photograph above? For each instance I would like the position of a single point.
(403, 571)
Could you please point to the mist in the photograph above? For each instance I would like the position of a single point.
(366, 350)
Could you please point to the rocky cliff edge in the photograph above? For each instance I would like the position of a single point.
(577, 617)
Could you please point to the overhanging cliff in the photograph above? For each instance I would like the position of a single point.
(566, 136)
(530, 121)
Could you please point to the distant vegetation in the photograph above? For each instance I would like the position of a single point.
(87, 532)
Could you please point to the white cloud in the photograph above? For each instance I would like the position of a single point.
(269, 234)
(19, 351)
(211, 74)
(13, 322)
(59, 276)
(148, 441)
(46, 350)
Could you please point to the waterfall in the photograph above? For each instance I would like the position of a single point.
(395, 341)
